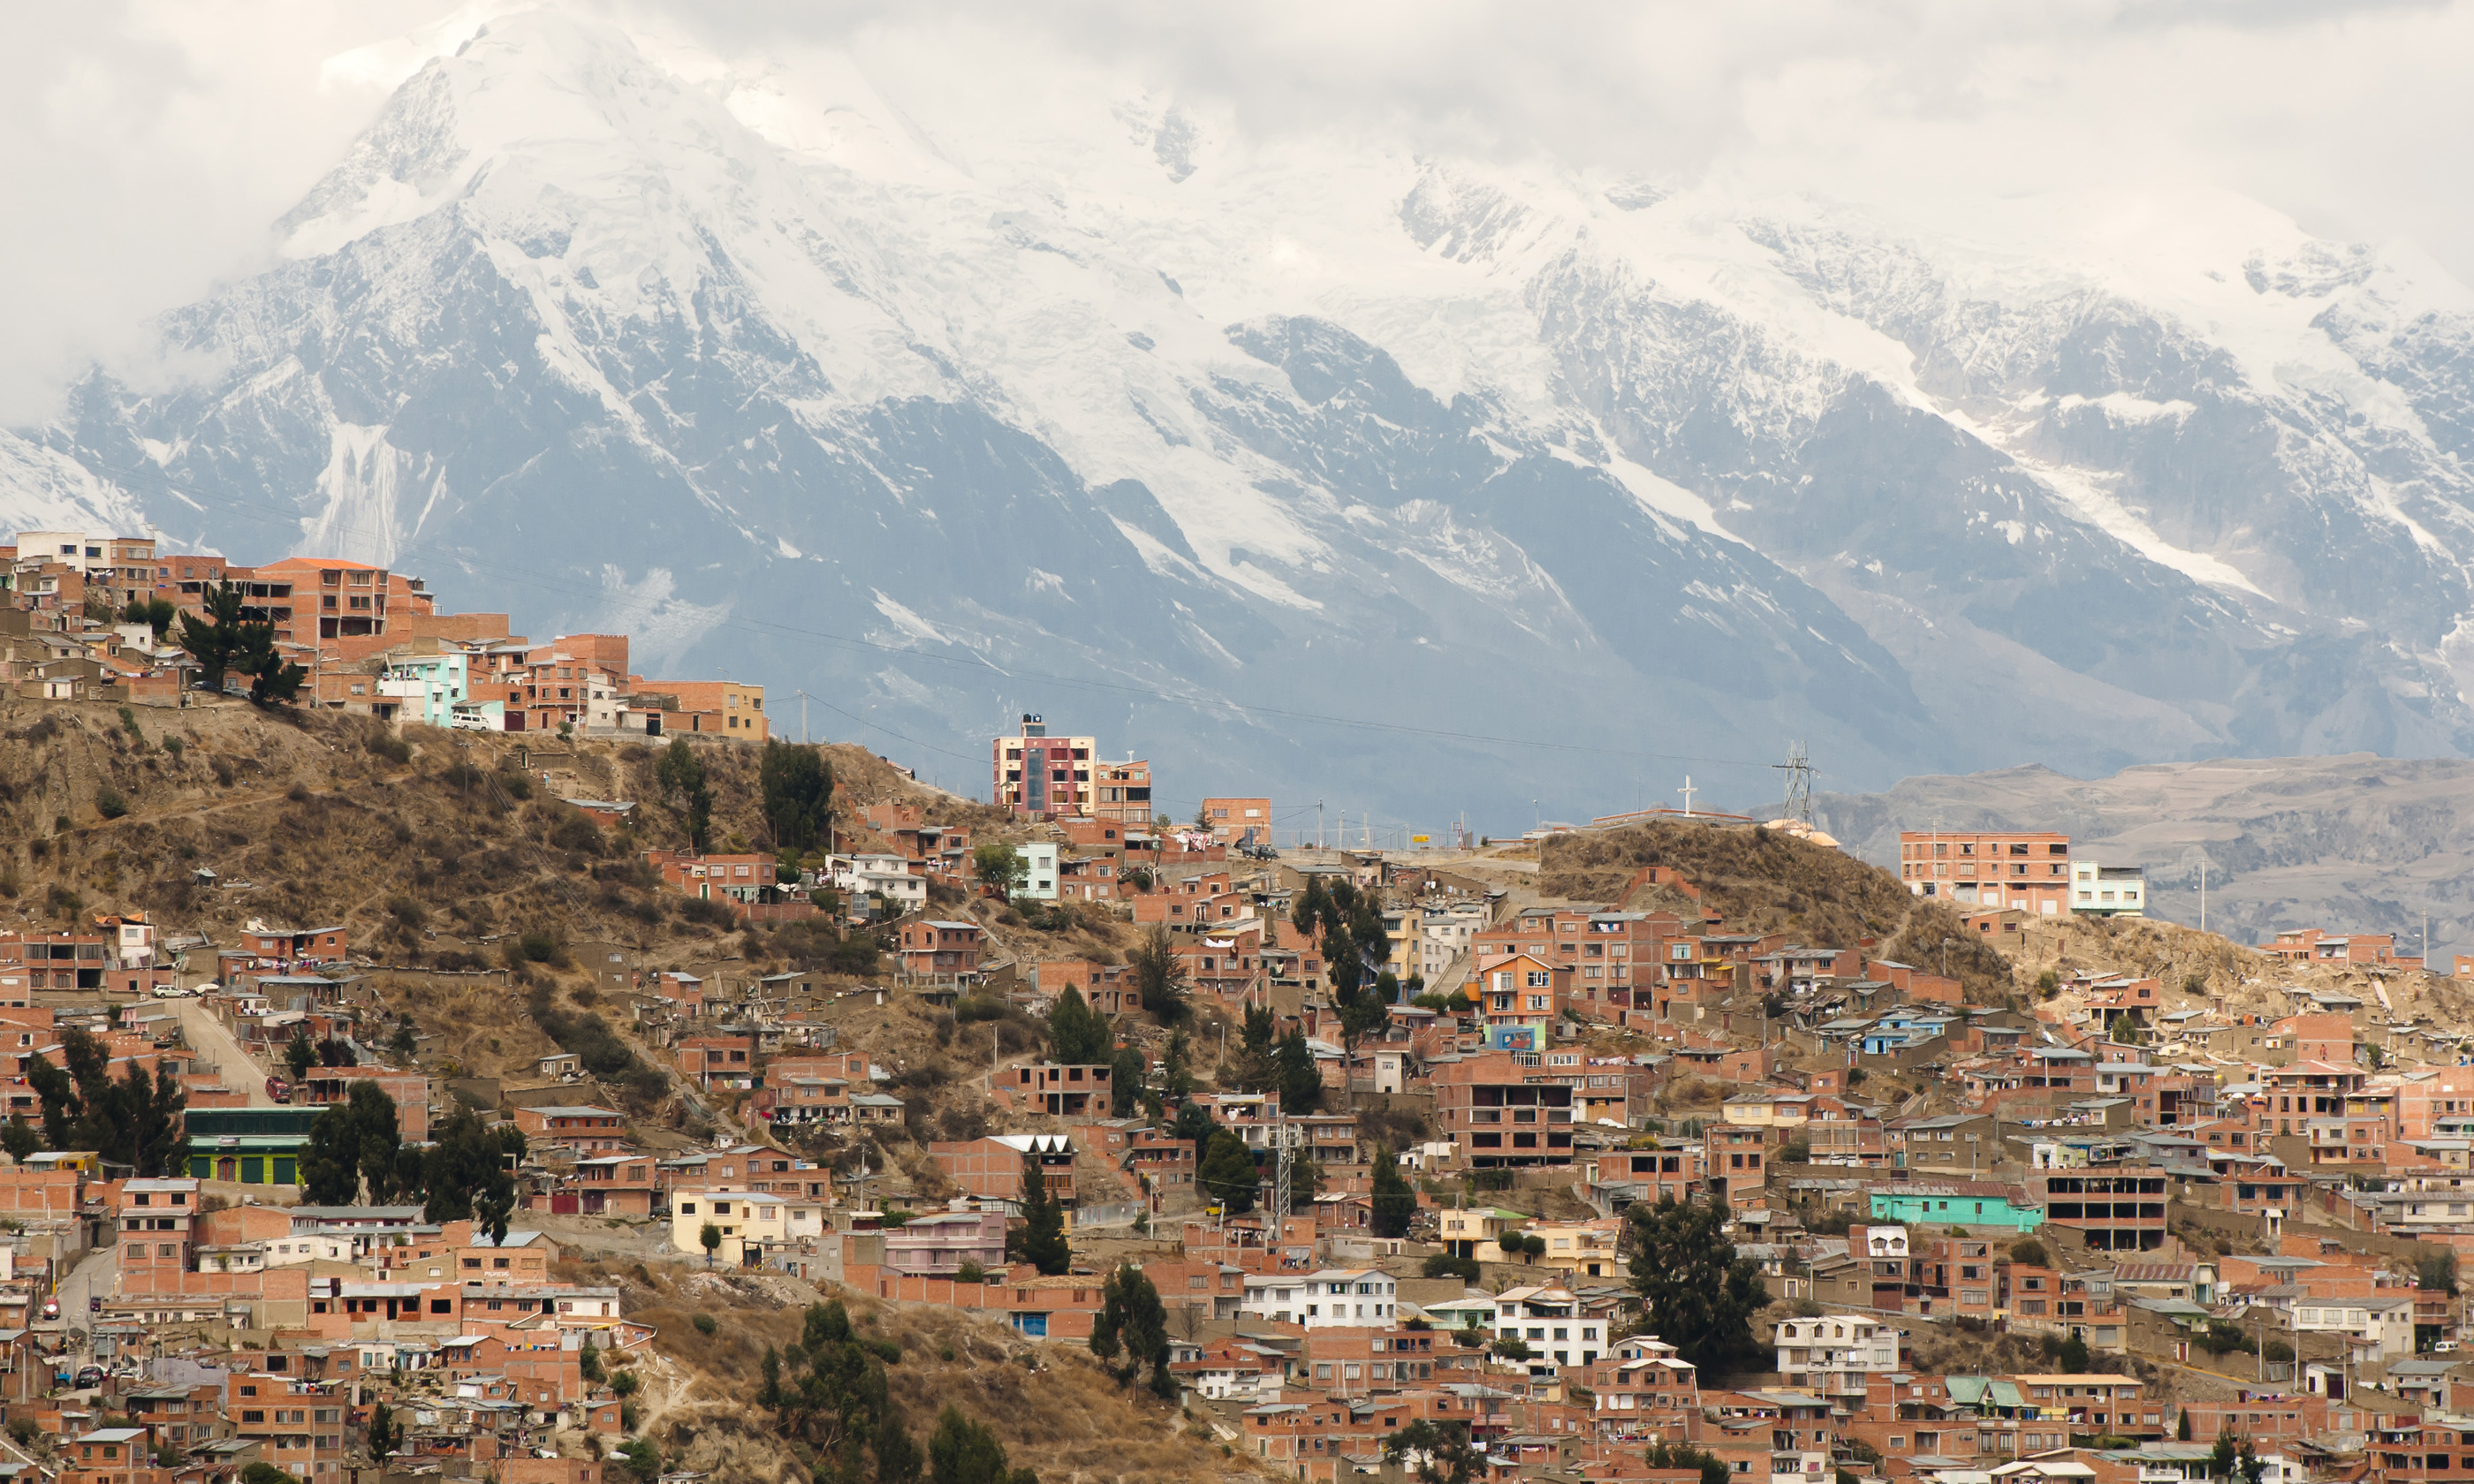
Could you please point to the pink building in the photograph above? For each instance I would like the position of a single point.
(937, 1246)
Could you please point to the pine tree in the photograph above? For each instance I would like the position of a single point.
(1395, 1205)
(798, 793)
(1696, 1294)
(1078, 1036)
(1043, 1242)
(1159, 978)
(1125, 1082)
(1228, 1172)
(1298, 1080)
(384, 1437)
(1132, 1322)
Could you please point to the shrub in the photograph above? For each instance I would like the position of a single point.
(705, 1324)
(387, 745)
(970, 1273)
(888, 1351)
(2030, 1251)
(625, 1385)
(109, 803)
(516, 784)
(176, 746)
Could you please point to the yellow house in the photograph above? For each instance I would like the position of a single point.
(1769, 1109)
(1583, 1249)
(1462, 1231)
(747, 1220)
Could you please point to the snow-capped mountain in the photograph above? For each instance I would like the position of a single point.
(1197, 440)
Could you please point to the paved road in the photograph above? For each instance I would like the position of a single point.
(98, 1273)
(208, 1036)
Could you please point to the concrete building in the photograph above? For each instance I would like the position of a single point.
(1832, 1355)
(1033, 772)
(2027, 871)
(747, 1219)
(2108, 891)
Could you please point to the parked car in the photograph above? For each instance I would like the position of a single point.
(278, 1090)
(90, 1376)
(51, 1308)
(94, 1304)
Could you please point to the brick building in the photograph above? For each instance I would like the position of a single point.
(2024, 870)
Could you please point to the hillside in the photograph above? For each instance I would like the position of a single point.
(2356, 843)
(1767, 881)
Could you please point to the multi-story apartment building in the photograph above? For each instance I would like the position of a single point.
(1122, 793)
(1613, 956)
(2024, 870)
(1033, 772)
(2115, 1208)
(1833, 1355)
(1503, 1110)
(2108, 891)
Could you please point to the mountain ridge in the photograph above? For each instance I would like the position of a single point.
(1204, 427)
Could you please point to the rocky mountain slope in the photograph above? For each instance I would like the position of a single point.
(950, 398)
(2355, 843)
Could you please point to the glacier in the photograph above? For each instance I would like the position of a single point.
(1305, 467)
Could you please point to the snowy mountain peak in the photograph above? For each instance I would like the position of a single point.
(951, 400)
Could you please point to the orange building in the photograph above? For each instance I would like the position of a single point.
(2024, 871)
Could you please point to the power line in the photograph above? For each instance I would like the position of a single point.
(521, 577)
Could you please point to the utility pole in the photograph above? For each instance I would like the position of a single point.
(1797, 769)
(2203, 891)
(1318, 824)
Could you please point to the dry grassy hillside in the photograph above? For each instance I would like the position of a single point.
(424, 846)
(1050, 1404)
(1765, 881)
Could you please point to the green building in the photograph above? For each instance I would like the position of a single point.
(250, 1146)
(1929, 1205)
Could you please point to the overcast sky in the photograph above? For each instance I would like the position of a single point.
(145, 145)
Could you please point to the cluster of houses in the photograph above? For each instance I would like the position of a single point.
(73, 627)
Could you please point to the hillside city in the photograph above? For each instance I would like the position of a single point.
(446, 1056)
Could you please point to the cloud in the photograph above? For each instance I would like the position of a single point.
(145, 145)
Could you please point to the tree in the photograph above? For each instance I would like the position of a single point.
(2436, 1272)
(1125, 1082)
(1308, 910)
(1000, 868)
(466, 1173)
(2074, 1358)
(1177, 1067)
(711, 1238)
(2221, 1458)
(1134, 1323)
(263, 1472)
(355, 1139)
(275, 680)
(1043, 1222)
(1078, 1036)
(1253, 1070)
(2249, 1464)
(898, 1459)
(2029, 1252)
(1159, 978)
(385, 1436)
(798, 794)
(961, 1451)
(680, 772)
(643, 1459)
(134, 1120)
(1512, 1244)
(19, 1139)
(1395, 1205)
(1228, 1172)
(217, 636)
(1441, 1450)
(156, 614)
(1684, 1455)
(1193, 1121)
(1298, 1078)
(1696, 1294)
(300, 1053)
(2182, 1431)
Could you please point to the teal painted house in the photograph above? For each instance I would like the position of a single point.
(1972, 1205)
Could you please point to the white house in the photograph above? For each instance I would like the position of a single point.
(2108, 891)
(1333, 1298)
(887, 876)
(1039, 874)
(1552, 1324)
(1832, 1354)
(2385, 1321)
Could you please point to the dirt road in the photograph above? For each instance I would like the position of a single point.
(213, 1043)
